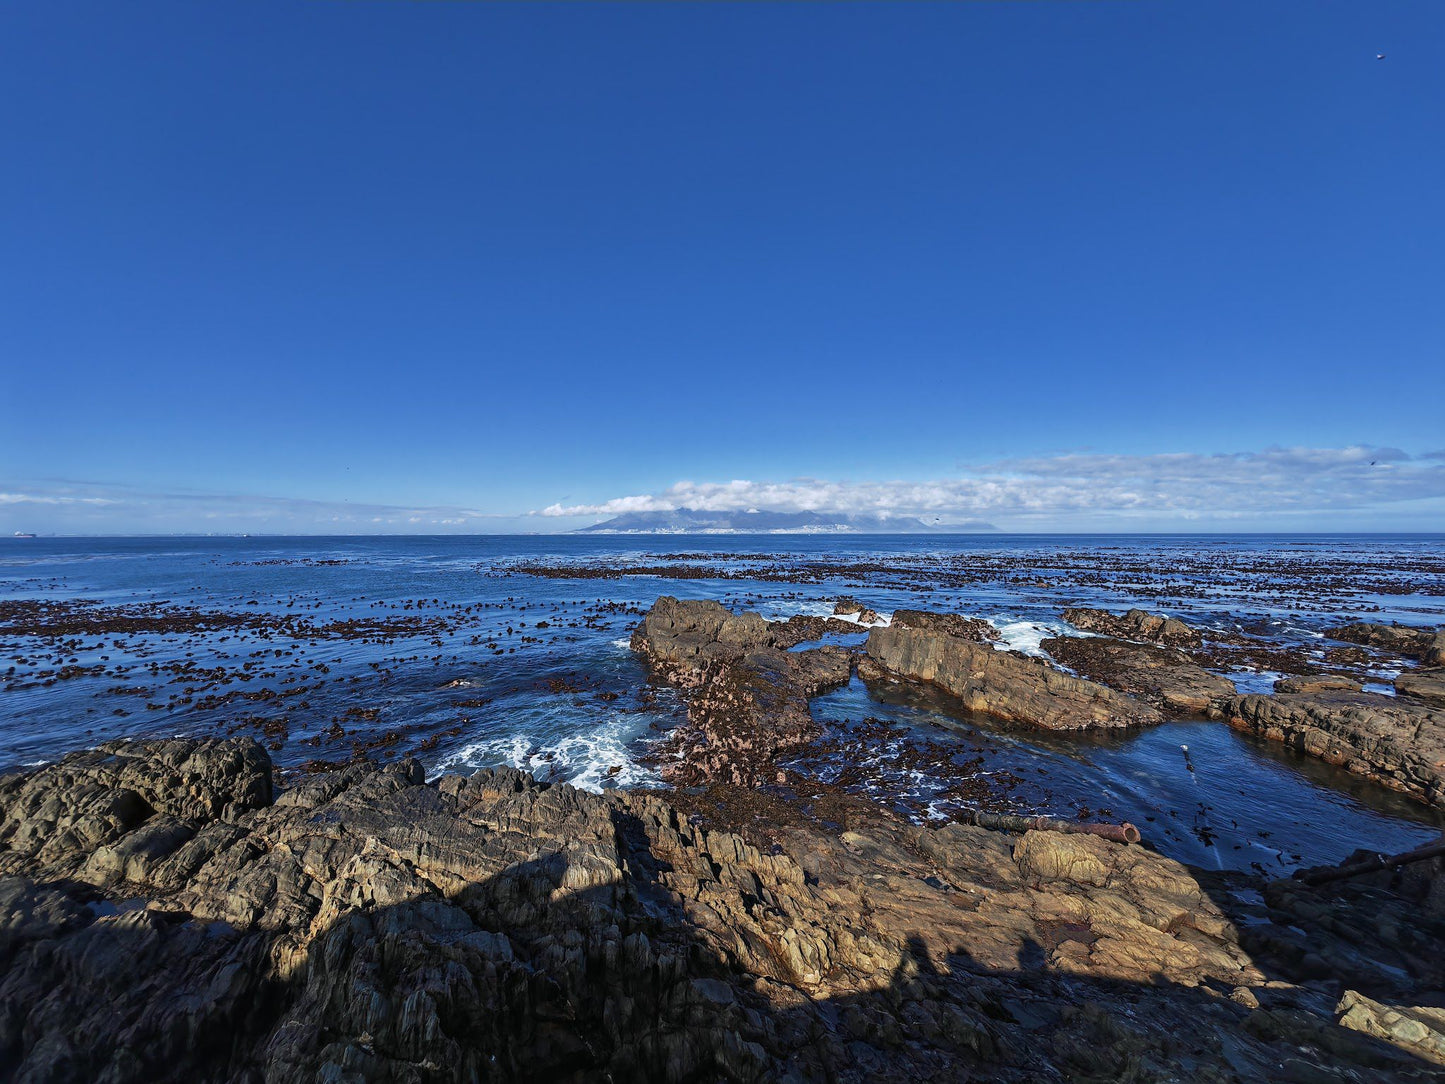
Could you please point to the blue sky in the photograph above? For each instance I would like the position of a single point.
(396, 266)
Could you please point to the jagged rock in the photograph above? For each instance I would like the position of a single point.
(1134, 625)
(1317, 683)
(1426, 685)
(691, 632)
(1425, 644)
(1004, 684)
(370, 926)
(90, 800)
(1388, 739)
(1165, 677)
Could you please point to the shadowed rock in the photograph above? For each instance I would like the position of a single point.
(369, 926)
(1005, 684)
(1134, 625)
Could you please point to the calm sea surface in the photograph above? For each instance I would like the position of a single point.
(441, 648)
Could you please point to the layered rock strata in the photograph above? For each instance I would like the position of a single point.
(1426, 685)
(1391, 740)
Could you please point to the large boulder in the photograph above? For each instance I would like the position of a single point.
(1004, 684)
(692, 632)
(1427, 685)
(1165, 677)
(1138, 625)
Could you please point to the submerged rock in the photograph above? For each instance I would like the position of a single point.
(370, 926)
(1134, 625)
(1005, 684)
(1165, 677)
(1388, 739)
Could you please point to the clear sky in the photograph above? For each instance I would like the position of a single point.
(399, 266)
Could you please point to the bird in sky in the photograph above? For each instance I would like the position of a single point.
(1379, 56)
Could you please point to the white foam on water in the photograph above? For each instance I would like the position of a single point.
(1026, 636)
(623, 645)
(584, 760)
(884, 620)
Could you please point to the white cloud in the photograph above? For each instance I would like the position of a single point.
(1183, 485)
(76, 507)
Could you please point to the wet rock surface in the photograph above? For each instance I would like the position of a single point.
(1005, 684)
(1137, 625)
(1165, 677)
(1392, 740)
(367, 925)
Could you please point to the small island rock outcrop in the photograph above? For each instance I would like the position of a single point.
(946, 651)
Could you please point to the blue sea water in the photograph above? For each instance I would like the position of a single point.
(501, 666)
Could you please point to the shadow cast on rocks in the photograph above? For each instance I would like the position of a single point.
(162, 918)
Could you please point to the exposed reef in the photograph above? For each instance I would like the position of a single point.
(1164, 676)
(1425, 644)
(747, 696)
(1135, 625)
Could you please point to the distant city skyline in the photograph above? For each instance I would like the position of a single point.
(492, 268)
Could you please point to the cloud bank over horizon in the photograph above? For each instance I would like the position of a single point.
(1050, 490)
(1360, 487)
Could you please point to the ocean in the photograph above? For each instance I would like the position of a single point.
(468, 652)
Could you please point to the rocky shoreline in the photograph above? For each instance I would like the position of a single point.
(166, 914)
(168, 911)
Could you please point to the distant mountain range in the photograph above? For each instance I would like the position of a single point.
(688, 522)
